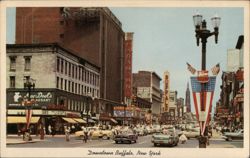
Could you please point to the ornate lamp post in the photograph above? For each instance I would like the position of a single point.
(29, 84)
(203, 33)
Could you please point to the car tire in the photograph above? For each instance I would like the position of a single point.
(105, 137)
(155, 144)
(116, 142)
(135, 141)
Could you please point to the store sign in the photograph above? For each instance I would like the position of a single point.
(41, 98)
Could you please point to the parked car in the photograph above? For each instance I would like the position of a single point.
(228, 136)
(96, 133)
(126, 136)
(170, 138)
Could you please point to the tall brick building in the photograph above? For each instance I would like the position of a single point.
(94, 34)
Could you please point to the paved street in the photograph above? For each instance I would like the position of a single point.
(143, 142)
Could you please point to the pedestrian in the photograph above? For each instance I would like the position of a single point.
(85, 134)
(49, 130)
(67, 133)
(183, 139)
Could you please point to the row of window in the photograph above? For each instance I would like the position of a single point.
(76, 88)
(74, 105)
(77, 72)
(13, 81)
(27, 65)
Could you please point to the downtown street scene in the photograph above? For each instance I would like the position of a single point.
(99, 77)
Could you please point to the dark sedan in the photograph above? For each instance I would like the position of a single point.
(126, 136)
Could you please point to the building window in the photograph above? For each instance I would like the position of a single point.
(61, 22)
(12, 63)
(58, 64)
(61, 83)
(66, 67)
(79, 75)
(76, 72)
(82, 73)
(69, 69)
(57, 82)
(65, 85)
(76, 88)
(27, 65)
(79, 89)
(69, 86)
(73, 71)
(72, 87)
(61, 65)
(12, 81)
(82, 89)
(61, 35)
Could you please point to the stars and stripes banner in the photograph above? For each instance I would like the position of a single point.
(216, 69)
(203, 92)
(191, 69)
(28, 117)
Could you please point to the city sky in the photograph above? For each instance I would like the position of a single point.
(164, 40)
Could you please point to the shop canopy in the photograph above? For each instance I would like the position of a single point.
(69, 120)
(18, 119)
(113, 120)
(79, 120)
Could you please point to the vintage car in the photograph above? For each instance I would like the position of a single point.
(192, 133)
(169, 138)
(96, 132)
(228, 136)
(126, 136)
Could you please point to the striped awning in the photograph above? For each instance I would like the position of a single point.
(18, 119)
(69, 120)
(113, 120)
(79, 120)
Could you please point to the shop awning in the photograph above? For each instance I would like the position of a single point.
(69, 120)
(79, 120)
(89, 120)
(113, 120)
(18, 119)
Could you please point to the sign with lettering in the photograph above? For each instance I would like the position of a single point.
(16, 98)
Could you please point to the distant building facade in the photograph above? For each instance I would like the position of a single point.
(173, 106)
(148, 87)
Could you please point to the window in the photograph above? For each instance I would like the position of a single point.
(76, 88)
(61, 35)
(61, 83)
(73, 71)
(69, 69)
(79, 76)
(58, 64)
(57, 82)
(82, 89)
(12, 81)
(12, 63)
(76, 72)
(72, 87)
(79, 89)
(27, 65)
(61, 66)
(65, 85)
(82, 74)
(66, 67)
(69, 86)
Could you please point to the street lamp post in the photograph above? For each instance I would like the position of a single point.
(29, 84)
(203, 33)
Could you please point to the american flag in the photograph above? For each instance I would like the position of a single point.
(216, 69)
(191, 69)
(206, 95)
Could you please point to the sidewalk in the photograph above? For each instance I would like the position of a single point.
(14, 139)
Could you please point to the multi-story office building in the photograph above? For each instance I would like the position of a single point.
(66, 85)
(173, 105)
(94, 34)
(148, 87)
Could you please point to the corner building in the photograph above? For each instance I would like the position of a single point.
(63, 87)
(94, 34)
